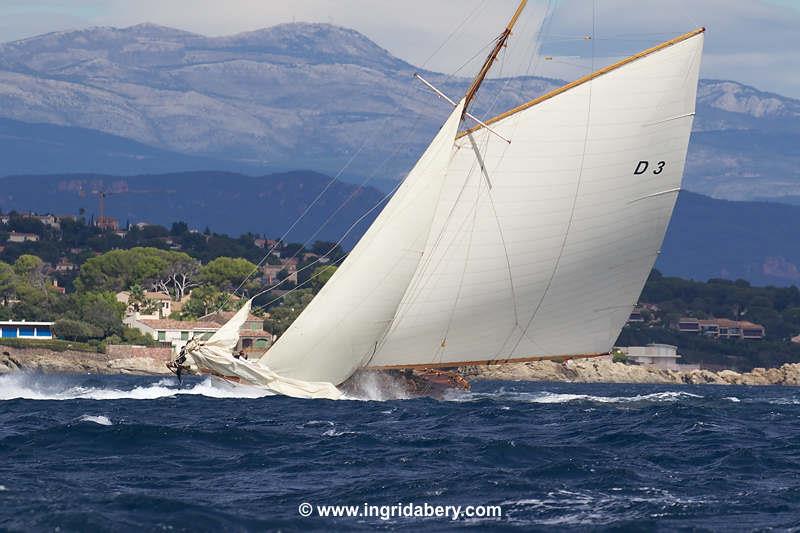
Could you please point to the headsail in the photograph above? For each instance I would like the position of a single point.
(216, 355)
(541, 247)
(342, 327)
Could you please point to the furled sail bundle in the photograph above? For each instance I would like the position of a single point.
(494, 251)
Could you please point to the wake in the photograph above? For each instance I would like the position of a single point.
(49, 387)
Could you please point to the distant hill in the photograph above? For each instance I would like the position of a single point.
(226, 202)
(27, 148)
(707, 238)
(306, 96)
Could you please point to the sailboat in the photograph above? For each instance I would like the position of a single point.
(523, 237)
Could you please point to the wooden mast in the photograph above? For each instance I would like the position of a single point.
(585, 79)
(501, 42)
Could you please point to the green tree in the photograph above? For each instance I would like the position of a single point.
(282, 316)
(31, 269)
(8, 283)
(321, 276)
(226, 273)
(100, 309)
(205, 300)
(119, 269)
(76, 330)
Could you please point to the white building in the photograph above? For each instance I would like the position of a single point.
(22, 237)
(657, 355)
(21, 329)
(173, 333)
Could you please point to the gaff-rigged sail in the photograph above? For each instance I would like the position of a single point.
(491, 251)
(341, 328)
(541, 247)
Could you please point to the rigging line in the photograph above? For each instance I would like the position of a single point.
(479, 5)
(352, 195)
(533, 54)
(575, 198)
(347, 165)
(476, 206)
(419, 283)
(500, 232)
(293, 289)
(294, 224)
(352, 226)
(363, 183)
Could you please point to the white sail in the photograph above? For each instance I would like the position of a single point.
(541, 247)
(341, 328)
(216, 355)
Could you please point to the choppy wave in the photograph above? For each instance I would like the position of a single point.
(568, 456)
(96, 419)
(554, 397)
(50, 387)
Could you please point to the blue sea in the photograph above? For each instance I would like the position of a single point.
(88, 453)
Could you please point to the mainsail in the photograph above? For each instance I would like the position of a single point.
(541, 247)
(492, 251)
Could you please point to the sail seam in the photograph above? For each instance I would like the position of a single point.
(574, 202)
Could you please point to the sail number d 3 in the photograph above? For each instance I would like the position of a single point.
(642, 167)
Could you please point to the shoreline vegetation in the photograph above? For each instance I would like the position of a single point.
(94, 280)
(596, 370)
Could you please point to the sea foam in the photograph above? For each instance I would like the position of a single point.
(49, 387)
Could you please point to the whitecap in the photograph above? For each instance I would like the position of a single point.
(733, 399)
(334, 433)
(667, 396)
(554, 397)
(50, 387)
(317, 423)
(101, 420)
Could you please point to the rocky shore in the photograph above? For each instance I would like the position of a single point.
(603, 370)
(598, 370)
(74, 362)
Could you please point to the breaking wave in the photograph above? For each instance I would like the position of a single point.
(99, 419)
(554, 397)
(50, 387)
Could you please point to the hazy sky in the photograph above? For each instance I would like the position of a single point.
(752, 41)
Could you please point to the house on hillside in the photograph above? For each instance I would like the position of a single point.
(163, 308)
(722, 328)
(252, 336)
(636, 316)
(65, 265)
(271, 272)
(22, 237)
(21, 329)
(172, 333)
(48, 219)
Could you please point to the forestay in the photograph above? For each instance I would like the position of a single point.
(341, 328)
(541, 247)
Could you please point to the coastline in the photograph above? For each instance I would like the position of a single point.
(74, 362)
(603, 370)
(597, 370)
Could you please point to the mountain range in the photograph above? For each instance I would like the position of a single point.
(151, 99)
(707, 238)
